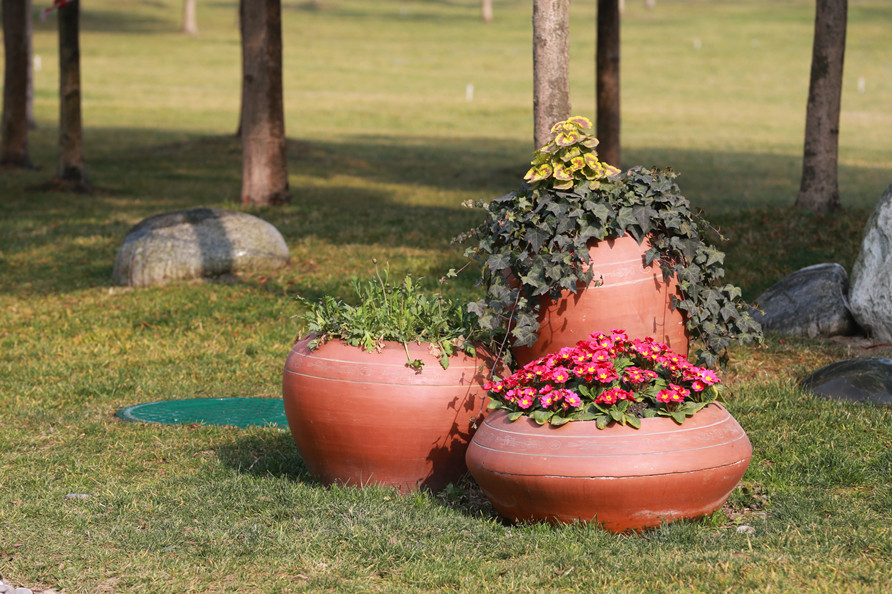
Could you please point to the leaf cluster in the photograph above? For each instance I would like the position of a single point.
(534, 242)
(402, 313)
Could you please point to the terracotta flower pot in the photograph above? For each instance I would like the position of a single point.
(631, 297)
(621, 477)
(359, 418)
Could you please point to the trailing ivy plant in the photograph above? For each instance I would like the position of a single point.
(538, 236)
(401, 313)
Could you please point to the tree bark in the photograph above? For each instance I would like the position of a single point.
(14, 152)
(819, 188)
(29, 25)
(607, 77)
(486, 11)
(551, 66)
(71, 136)
(190, 22)
(264, 166)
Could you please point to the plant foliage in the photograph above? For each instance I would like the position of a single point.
(540, 233)
(607, 379)
(401, 313)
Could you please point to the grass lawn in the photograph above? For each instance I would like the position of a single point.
(386, 141)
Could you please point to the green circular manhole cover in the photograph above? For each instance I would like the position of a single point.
(238, 412)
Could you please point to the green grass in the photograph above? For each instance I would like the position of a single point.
(383, 149)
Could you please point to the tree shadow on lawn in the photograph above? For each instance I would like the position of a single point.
(345, 193)
(125, 20)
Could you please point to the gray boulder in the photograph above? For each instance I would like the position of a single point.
(870, 296)
(811, 303)
(853, 380)
(197, 243)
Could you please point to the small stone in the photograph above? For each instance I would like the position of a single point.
(853, 380)
(746, 530)
(811, 303)
(22, 591)
(77, 496)
(197, 243)
(4, 588)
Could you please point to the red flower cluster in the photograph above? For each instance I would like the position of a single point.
(605, 369)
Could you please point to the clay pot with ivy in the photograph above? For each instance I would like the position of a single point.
(386, 390)
(582, 246)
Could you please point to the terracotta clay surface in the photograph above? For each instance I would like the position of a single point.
(630, 297)
(359, 418)
(624, 478)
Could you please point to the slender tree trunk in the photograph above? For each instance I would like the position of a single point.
(14, 152)
(819, 189)
(551, 66)
(29, 26)
(190, 22)
(264, 167)
(486, 11)
(607, 76)
(71, 135)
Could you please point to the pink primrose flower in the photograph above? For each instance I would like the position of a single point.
(634, 375)
(606, 374)
(558, 375)
(570, 398)
(613, 395)
(709, 377)
(681, 391)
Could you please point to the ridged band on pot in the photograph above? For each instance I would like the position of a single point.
(624, 294)
(621, 477)
(363, 418)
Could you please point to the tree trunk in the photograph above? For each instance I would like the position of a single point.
(190, 22)
(486, 8)
(264, 167)
(551, 66)
(71, 136)
(819, 189)
(29, 25)
(14, 152)
(607, 76)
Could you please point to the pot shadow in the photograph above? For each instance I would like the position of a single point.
(265, 454)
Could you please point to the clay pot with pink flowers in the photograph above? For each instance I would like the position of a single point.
(625, 433)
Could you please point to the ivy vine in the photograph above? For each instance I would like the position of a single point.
(538, 235)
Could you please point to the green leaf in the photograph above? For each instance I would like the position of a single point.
(633, 421)
(515, 415)
(557, 421)
(602, 421)
(541, 416)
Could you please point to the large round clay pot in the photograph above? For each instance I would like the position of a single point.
(363, 418)
(625, 479)
(624, 294)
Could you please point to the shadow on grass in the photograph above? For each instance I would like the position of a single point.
(372, 191)
(126, 20)
(266, 454)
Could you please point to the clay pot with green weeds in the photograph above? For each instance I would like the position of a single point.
(387, 390)
(581, 246)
